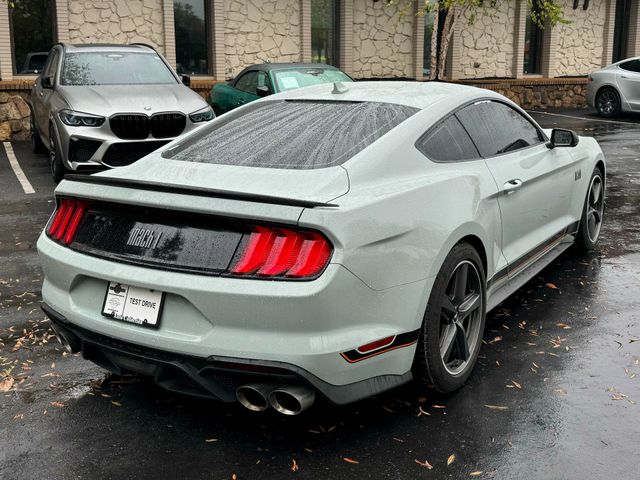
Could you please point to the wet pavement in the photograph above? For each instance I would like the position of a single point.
(554, 395)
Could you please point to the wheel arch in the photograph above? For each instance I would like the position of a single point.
(477, 244)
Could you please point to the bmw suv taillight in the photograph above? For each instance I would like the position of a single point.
(272, 252)
(65, 221)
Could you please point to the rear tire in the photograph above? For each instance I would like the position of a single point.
(453, 324)
(37, 146)
(58, 169)
(592, 213)
(608, 102)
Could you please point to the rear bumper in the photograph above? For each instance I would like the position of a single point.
(306, 326)
(213, 377)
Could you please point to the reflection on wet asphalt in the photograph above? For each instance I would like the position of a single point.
(554, 395)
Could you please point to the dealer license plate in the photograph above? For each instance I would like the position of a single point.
(133, 304)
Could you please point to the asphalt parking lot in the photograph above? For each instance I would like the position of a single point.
(555, 395)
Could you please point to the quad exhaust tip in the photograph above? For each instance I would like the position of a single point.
(67, 339)
(288, 399)
(292, 400)
(254, 396)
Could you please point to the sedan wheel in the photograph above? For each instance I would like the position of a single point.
(453, 325)
(608, 102)
(592, 214)
(460, 318)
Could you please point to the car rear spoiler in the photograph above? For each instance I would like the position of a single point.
(195, 191)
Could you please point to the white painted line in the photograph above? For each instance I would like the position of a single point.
(599, 120)
(22, 178)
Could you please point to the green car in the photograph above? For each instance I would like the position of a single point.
(258, 81)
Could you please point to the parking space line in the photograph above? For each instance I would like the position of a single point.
(583, 118)
(13, 160)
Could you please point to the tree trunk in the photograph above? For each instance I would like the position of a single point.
(434, 46)
(447, 32)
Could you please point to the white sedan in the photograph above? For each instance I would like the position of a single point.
(338, 240)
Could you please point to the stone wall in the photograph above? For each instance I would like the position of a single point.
(260, 30)
(580, 43)
(540, 93)
(486, 49)
(382, 40)
(118, 21)
(14, 116)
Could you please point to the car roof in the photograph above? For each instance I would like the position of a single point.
(414, 94)
(267, 67)
(107, 47)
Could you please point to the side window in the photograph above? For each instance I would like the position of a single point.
(248, 82)
(631, 66)
(497, 128)
(448, 142)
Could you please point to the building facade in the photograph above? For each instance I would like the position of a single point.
(215, 39)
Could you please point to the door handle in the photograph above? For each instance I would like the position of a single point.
(512, 185)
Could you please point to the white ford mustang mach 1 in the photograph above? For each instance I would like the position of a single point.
(332, 241)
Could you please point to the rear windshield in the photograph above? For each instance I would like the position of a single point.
(303, 77)
(293, 134)
(115, 68)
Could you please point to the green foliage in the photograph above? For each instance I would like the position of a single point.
(543, 12)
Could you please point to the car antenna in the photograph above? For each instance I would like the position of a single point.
(339, 87)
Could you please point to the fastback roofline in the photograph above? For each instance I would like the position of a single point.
(195, 191)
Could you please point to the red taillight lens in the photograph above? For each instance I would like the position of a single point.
(378, 344)
(280, 252)
(66, 220)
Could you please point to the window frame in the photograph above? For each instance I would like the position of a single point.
(544, 139)
(13, 72)
(209, 26)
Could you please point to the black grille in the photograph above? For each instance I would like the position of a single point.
(167, 125)
(121, 154)
(138, 127)
(130, 127)
(81, 150)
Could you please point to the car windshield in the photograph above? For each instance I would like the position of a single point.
(115, 68)
(288, 134)
(304, 77)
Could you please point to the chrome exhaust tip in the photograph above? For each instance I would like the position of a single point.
(292, 399)
(69, 341)
(254, 396)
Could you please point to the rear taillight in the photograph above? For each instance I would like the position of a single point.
(66, 219)
(272, 252)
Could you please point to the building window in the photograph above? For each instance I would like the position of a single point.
(192, 36)
(325, 33)
(532, 45)
(428, 34)
(32, 34)
(621, 30)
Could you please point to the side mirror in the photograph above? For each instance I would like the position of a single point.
(45, 82)
(563, 138)
(186, 80)
(263, 91)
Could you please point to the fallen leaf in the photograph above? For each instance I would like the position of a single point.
(211, 440)
(6, 384)
(294, 465)
(424, 464)
(552, 286)
(438, 406)
(349, 460)
(497, 407)
(476, 473)
(516, 384)
(496, 339)
(451, 459)
(57, 404)
(117, 404)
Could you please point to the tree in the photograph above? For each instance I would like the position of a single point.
(542, 12)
